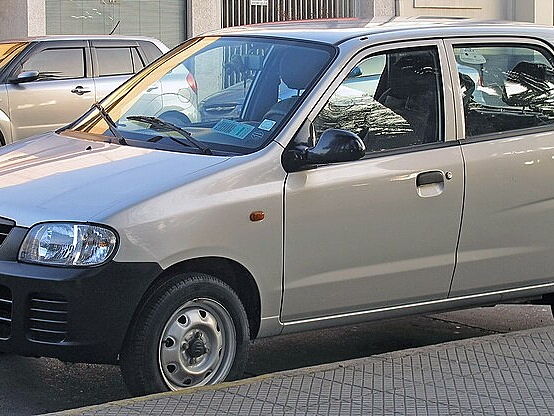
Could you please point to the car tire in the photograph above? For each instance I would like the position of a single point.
(191, 330)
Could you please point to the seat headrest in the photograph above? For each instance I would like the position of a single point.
(414, 73)
(528, 70)
(299, 66)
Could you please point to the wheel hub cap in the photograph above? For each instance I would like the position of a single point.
(197, 345)
(196, 348)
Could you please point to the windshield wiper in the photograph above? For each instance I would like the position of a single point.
(111, 124)
(166, 125)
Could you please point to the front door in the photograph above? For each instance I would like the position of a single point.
(381, 231)
(62, 93)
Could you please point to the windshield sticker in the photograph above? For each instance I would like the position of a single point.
(233, 128)
(266, 125)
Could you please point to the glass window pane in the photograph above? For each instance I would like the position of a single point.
(231, 93)
(137, 60)
(114, 61)
(390, 100)
(57, 63)
(505, 87)
(160, 19)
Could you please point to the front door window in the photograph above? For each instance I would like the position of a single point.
(391, 100)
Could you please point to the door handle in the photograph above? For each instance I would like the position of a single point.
(79, 90)
(430, 178)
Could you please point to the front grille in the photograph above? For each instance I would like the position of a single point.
(47, 318)
(5, 312)
(5, 228)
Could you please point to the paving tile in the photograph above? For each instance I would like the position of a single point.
(508, 374)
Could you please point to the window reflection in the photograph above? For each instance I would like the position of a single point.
(390, 100)
(505, 88)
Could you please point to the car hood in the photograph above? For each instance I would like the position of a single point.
(58, 178)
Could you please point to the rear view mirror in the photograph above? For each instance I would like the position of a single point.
(25, 76)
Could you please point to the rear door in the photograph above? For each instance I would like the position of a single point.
(381, 231)
(114, 62)
(64, 91)
(506, 106)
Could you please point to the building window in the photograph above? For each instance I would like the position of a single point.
(160, 19)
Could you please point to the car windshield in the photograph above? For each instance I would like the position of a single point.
(213, 95)
(9, 50)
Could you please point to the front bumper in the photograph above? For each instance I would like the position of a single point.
(74, 314)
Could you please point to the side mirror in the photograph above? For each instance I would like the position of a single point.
(26, 76)
(333, 146)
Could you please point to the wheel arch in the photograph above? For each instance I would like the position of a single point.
(229, 271)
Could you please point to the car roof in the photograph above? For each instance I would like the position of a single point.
(336, 31)
(48, 38)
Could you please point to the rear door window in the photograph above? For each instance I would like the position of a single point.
(138, 64)
(56, 64)
(114, 61)
(505, 87)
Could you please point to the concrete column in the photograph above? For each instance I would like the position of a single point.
(204, 15)
(534, 11)
(375, 8)
(22, 18)
(384, 8)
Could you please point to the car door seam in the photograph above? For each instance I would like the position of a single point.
(461, 218)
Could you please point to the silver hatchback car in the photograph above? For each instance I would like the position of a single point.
(365, 171)
(49, 81)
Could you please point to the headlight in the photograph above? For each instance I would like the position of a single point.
(68, 244)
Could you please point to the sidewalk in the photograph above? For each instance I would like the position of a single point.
(497, 374)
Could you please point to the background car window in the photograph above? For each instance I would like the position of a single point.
(114, 61)
(505, 88)
(391, 100)
(138, 64)
(53, 64)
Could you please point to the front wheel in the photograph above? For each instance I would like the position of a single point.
(191, 331)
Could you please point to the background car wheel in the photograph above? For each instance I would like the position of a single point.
(192, 330)
(175, 117)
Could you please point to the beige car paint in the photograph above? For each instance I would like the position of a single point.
(506, 238)
(395, 249)
(350, 232)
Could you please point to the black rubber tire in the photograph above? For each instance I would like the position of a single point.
(139, 357)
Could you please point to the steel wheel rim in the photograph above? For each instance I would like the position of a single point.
(197, 345)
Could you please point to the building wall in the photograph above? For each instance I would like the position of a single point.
(537, 11)
(497, 9)
(20, 18)
(161, 19)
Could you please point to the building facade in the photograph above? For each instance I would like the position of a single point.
(173, 21)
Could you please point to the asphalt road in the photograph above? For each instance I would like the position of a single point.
(34, 386)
